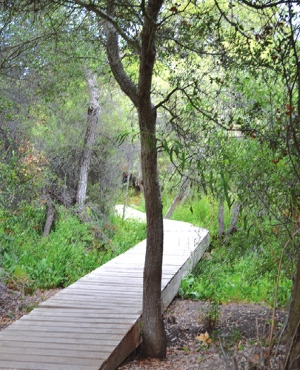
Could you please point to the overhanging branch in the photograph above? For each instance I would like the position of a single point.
(103, 15)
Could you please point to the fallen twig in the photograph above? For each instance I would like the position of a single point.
(7, 314)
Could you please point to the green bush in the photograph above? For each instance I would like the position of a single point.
(221, 279)
(56, 260)
(127, 234)
(68, 253)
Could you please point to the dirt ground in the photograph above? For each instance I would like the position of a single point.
(237, 337)
(200, 335)
(14, 304)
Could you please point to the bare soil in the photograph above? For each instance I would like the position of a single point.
(14, 304)
(237, 334)
(237, 338)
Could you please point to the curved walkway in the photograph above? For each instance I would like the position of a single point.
(94, 323)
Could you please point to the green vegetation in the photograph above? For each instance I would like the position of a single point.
(225, 281)
(71, 250)
(244, 269)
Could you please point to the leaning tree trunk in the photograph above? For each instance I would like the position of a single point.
(90, 136)
(179, 196)
(293, 333)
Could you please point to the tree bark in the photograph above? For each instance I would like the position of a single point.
(154, 337)
(293, 331)
(221, 222)
(178, 198)
(126, 196)
(234, 218)
(90, 136)
(49, 217)
(140, 176)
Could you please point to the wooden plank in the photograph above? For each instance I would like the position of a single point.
(171, 289)
(65, 325)
(57, 345)
(76, 330)
(79, 313)
(128, 344)
(34, 351)
(59, 360)
(101, 308)
(67, 320)
(107, 300)
(28, 365)
(70, 338)
(86, 287)
(81, 334)
(100, 294)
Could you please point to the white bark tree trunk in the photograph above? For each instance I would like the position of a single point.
(234, 218)
(90, 137)
(221, 223)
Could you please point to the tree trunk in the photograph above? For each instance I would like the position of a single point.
(49, 217)
(140, 177)
(154, 337)
(90, 136)
(126, 196)
(182, 191)
(221, 222)
(293, 332)
(234, 218)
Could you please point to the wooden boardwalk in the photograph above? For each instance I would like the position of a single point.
(95, 322)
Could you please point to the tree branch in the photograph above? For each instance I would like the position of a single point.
(167, 98)
(268, 4)
(134, 43)
(116, 66)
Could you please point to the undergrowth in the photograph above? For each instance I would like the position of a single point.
(218, 279)
(30, 261)
(242, 269)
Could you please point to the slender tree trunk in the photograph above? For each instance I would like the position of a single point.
(178, 198)
(49, 217)
(234, 218)
(293, 332)
(154, 337)
(221, 223)
(126, 196)
(90, 136)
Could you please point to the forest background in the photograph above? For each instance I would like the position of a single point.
(225, 87)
